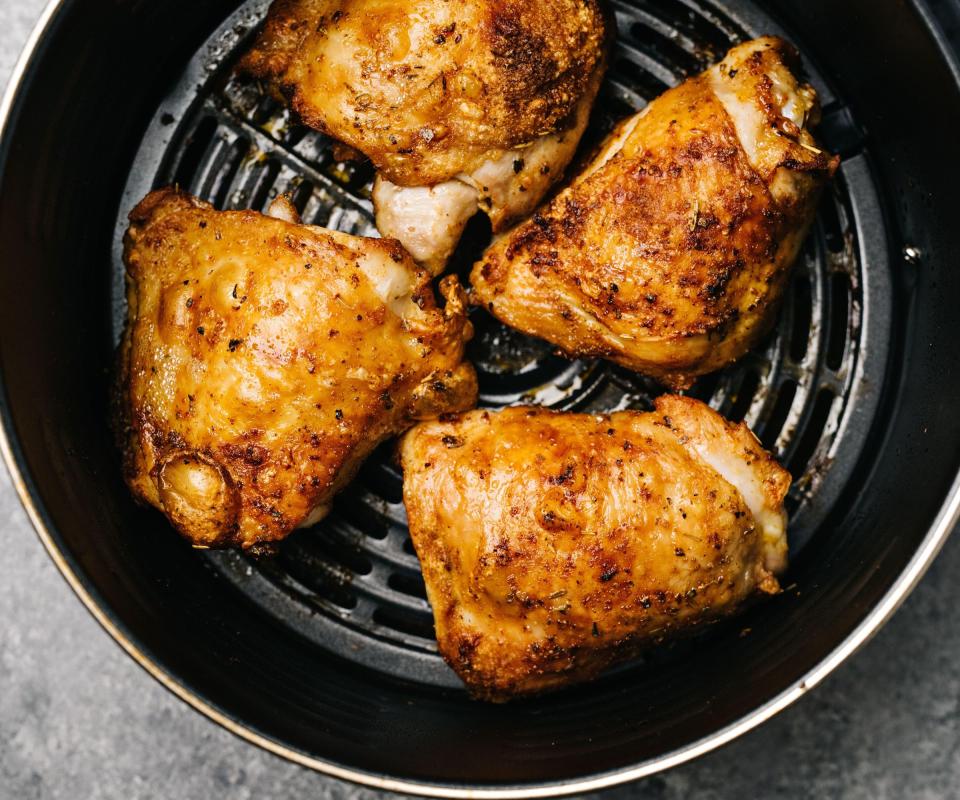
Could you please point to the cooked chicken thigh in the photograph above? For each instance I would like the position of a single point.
(554, 545)
(670, 253)
(467, 105)
(263, 360)
(429, 220)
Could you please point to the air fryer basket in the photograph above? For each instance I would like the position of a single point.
(353, 584)
(324, 651)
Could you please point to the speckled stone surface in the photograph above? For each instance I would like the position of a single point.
(81, 721)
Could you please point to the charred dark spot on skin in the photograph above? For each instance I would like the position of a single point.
(564, 477)
(540, 230)
(715, 289)
(501, 553)
(540, 260)
(522, 54)
(254, 455)
(452, 442)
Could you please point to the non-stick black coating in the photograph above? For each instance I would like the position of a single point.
(85, 100)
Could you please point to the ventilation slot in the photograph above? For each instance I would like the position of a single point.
(812, 433)
(781, 410)
(411, 584)
(265, 110)
(325, 545)
(351, 175)
(665, 50)
(194, 147)
(802, 314)
(224, 157)
(712, 41)
(744, 397)
(354, 508)
(316, 575)
(705, 388)
(294, 135)
(339, 594)
(381, 477)
(616, 101)
(409, 623)
(839, 319)
(642, 81)
(839, 132)
(832, 228)
(300, 194)
(263, 174)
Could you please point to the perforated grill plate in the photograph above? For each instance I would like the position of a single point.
(352, 584)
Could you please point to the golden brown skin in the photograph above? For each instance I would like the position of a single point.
(425, 88)
(263, 360)
(461, 106)
(671, 252)
(554, 545)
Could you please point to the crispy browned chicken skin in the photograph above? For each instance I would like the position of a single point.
(263, 360)
(670, 253)
(483, 99)
(554, 545)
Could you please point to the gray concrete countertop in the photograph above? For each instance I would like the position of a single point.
(81, 721)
